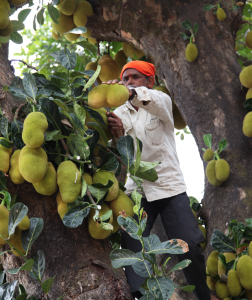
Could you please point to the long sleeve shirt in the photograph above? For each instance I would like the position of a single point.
(153, 124)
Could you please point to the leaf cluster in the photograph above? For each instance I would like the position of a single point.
(221, 146)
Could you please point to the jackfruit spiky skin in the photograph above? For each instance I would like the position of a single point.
(246, 77)
(18, 2)
(68, 7)
(212, 263)
(95, 229)
(210, 173)
(191, 52)
(103, 177)
(4, 219)
(4, 14)
(233, 284)
(248, 40)
(221, 290)
(249, 94)
(117, 95)
(221, 15)
(87, 34)
(35, 125)
(122, 202)
(25, 223)
(203, 230)
(109, 69)
(208, 155)
(179, 122)
(247, 125)
(222, 169)
(5, 154)
(250, 249)
(120, 59)
(97, 96)
(69, 181)
(6, 31)
(244, 271)
(48, 185)
(16, 242)
(229, 256)
(91, 40)
(129, 50)
(248, 294)
(33, 164)
(115, 225)
(210, 282)
(79, 16)
(61, 206)
(71, 36)
(65, 24)
(88, 178)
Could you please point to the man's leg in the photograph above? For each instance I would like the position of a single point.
(180, 223)
(129, 243)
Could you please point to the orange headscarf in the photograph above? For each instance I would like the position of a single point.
(144, 67)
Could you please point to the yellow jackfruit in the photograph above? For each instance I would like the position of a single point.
(221, 290)
(222, 169)
(4, 219)
(179, 122)
(247, 125)
(246, 77)
(203, 230)
(210, 173)
(16, 242)
(249, 94)
(87, 7)
(120, 59)
(4, 14)
(109, 69)
(115, 225)
(87, 34)
(35, 125)
(221, 15)
(212, 263)
(88, 178)
(61, 206)
(210, 281)
(71, 36)
(18, 2)
(79, 16)
(244, 271)
(55, 35)
(25, 223)
(68, 7)
(5, 154)
(233, 284)
(48, 185)
(103, 177)
(94, 228)
(122, 202)
(129, 50)
(65, 24)
(191, 52)
(208, 155)
(69, 181)
(229, 257)
(248, 294)
(7, 31)
(248, 40)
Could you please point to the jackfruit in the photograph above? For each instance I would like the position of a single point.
(79, 16)
(103, 177)
(87, 34)
(244, 271)
(94, 228)
(233, 284)
(55, 35)
(69, 181)
(60, 3)
(25, 223)
(120, 59)
(97, 96)
(249, 94)
(88, 178)
(17, 243)
(4, 14)
(68, 7)
(92, 66)
(221, 15)
(222, 169)
(191, 52)
(115, 225)
(72, 36)
(210, 173)
(5, 154)
(109, 69)
(229, 257)
(18, 2)
(248, 40)
(87, 7)
(210, 281)
(91, 40)
(1, 246)
(61, 206)
(250, 249)
(246, 77)
(122, 202)
(129, 50)
(212, 263)
(203, 230)
(48, 185)
(4, 219)
(221, 290)
(35, 126)
(208, 155)
(247, 125)
(6, 31)
(33, 164)
(248, 294)
(179, 122)
(65, 24)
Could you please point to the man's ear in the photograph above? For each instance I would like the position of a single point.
(150, 82)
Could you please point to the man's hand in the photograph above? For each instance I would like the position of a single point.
(119, 82)
(115, 125)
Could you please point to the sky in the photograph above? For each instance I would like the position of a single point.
(187, 150)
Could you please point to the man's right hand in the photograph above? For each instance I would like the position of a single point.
(115, 125)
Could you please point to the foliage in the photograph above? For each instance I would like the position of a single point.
(221, 147)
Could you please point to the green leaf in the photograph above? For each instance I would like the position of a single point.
(78, 146)
(17, 25)
(95, 115)
(184, 37)
(86, 45)
(125, 146)
(208, 140)
(54, 13)
(129, 225)
(182, 136)
(106, 216)
(161, 287)
(5, 143)
(2, 276)
(29, 236)
(9, 291)
(27, 267)
(4, 124)
(21, 296)
(83, 187)
(138, 155)
(222, 145)
(98, 193)
(47, 285)
(142, 267)
(21, 289)
(50, 134)
(136, 197)
(23, 14)
(30, 85)
(18, 92)
(247, 104)
(181, 265)
(123, 257)
(61, 104)
(40, 16)
(145, 166)
(80, 113)
(16, 37)
(39, 264)
(77, 30)
(106, 226)
(187, 25)
(196, 28)
(148, 296)
(60, 79)
(220, 242)
(150, 242)
(187, 288)
(7, 198)
(3, 181)
(74, 217)
(51, 111)
(174, 246)
(109, 162)
(92, 79)
(61, 297)
(100, 130)
(16, 215)
(68, 59)
(208, 7)
(16, 134)
(150, 175)
(4, 39)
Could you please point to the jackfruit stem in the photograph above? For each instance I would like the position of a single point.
(18, 110)
(90, 197)
(218, 5)
(65, 147)
(217, 156)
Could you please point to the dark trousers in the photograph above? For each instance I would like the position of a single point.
(179, 223)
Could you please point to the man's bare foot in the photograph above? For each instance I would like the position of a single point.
(213, 297)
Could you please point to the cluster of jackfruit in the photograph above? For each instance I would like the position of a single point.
(217, 171)
(238, 280)
(6, 26)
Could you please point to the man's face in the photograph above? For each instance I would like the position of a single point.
(133, 78)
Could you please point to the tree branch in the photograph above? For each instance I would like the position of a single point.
(18, 110)
(31, 67)
(117, 157)
(65, 147)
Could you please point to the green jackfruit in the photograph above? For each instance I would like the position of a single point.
(249, 94)
(248, 294)
(55, 35)
(25, 223)
(250, 249)
(229, 256)
(179, 122)
(221, 290)
(212, 263)
(86, 7)
(103, 177)
(4, 14)
(97, 96)
(18, 2)
(68, 7)
(65, 24)
(248, 40)
(87, 34)
(48, 185)
(15, 175)
(109, 69)
(7, 31)
(130, 51)
(210, 173)
(233, 284)
(115, 225)
(94, 228)
(4, 219)
(222, 169)
(122, 202)
(33, 164)
(246, 77)
(5, 154)
(16, 242)
(210, 282)
(191, 52)
(79, 16)
(203, 230)
(247, 125)
(61, 206)
(120, 59)
(221, 15)
(208, 155)
(71, 36)
(88, 178)
(69, 181)
(244, 271)
(35, 125)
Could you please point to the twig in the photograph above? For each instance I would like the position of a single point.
(65, 147)
(31, 67)
(90, 197)
(117, 157)
(18, 110)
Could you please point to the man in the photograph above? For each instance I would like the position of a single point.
(148, 116)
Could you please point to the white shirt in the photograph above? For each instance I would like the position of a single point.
(153, 124)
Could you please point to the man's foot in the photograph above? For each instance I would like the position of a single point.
(213, 297)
